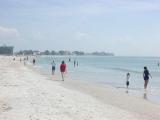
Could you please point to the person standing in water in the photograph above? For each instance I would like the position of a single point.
(24, 60)
(63, 69)
(77, 63)
(127, 79)
(146, 76)
(34, 61)
(74, 63)
(53, 67)
(158, 64)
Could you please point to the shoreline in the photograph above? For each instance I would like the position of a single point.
(71, 99)
(69, 82)
(99, 91)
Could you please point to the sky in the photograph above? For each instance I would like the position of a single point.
(124, 27)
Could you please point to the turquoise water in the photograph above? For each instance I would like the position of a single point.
(111, 71)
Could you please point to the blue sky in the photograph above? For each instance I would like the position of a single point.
(125, 27)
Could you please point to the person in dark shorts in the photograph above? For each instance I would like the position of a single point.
(53, 67)
(74, 63)
(63, 69)
(127, 79)
(146, 76)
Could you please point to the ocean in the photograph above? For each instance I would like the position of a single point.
(106, 70)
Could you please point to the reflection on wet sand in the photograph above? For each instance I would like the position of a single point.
(127, 91)
(145, 96)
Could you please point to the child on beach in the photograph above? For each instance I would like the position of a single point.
(127, 79)
(53, 67)
(63, 69)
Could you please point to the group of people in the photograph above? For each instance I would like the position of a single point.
(146, 76)
(63, 69)
(20, 59)
(63, 66)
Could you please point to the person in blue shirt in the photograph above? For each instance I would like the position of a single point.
(146, 76)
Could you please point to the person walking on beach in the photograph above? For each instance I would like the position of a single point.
(146, 76)
(53, 67)
(127, 79)
(74, 63)
(63, 69)
(34, 61)
(24, 60)
(77, 63)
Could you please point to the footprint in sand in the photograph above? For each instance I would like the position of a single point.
(32, 118)
(5, 107)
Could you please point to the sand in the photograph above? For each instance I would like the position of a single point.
(26, 94)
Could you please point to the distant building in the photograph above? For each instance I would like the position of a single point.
(6, 50)
(103, 54)
(36, 52)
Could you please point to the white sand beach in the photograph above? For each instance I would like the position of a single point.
(25, 94)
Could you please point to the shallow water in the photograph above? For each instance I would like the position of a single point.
(111, 71)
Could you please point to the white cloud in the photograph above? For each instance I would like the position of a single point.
(38, 36)
(83, 36)
(137, 6)
(96, 8)
(8, 33)
(81, 7)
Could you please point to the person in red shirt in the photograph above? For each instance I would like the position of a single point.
(63, 69)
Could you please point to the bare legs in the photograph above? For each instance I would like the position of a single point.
(62, 73)
(145, 84)
(53, 72)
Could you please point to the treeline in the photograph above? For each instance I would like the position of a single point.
(61, 52)
(102, 54)
(47, 52)
(6, 50)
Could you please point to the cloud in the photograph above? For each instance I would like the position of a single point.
(8, 33)
(83, 36)
(137, 6)
(38, 36)
(100, 8)
(63, 8)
